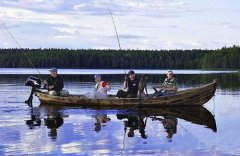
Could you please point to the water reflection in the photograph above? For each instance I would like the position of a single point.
(53, 122)
(101, 120)
(35, 120)
(51, 116)
(168, 117)
(132, 122)
(170, 125)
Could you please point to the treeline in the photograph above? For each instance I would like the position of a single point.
(225, 58)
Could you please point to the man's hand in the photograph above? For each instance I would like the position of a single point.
(126, 78)
(45, 82)
(50, 87)
(138, 94)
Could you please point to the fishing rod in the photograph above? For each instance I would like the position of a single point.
(186, 84)
(34, 82)
(115, 29)
(10, 34)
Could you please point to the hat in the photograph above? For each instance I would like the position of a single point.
(97, 76)
(131, 72)
(170, 71)
(53, 69)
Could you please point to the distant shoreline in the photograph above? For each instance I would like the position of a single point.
(219, 59)
(45, 71)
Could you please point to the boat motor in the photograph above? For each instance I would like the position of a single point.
(35, 83)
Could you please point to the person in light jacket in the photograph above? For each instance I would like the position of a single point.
(101, 88)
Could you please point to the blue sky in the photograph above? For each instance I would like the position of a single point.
(149, 24)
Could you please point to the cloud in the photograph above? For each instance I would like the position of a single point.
(149, 24)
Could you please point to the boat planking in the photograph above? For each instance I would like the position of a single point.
(196, 96)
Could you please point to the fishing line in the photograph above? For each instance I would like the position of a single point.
(186, 84)
(37, 136)
(123, 142)
(21, 48)
(203, 71)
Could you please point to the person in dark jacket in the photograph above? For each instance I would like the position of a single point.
(131, 84)
(54, 84)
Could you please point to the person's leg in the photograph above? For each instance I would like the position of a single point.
(64, 93)
(92, 94)
(160, 93)
(100, 96)
(131, 96)
(122, 94)
(52, 93)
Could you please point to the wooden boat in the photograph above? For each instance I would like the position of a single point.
(191, 97)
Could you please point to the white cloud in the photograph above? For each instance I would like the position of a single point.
(150, 24)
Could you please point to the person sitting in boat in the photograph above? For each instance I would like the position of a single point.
(101, 88)
(131, 84)
(169, 86)
(54, 84)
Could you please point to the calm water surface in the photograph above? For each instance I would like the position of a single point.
(44, 130)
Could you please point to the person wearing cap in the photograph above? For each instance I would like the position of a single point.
(131, 84)
(54, 84)
(169, 86)
(101, 88)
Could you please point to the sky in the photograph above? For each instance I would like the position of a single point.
(148, 24)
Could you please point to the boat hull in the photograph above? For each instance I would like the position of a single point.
(192, 97)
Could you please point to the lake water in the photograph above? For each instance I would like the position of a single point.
(45, 130)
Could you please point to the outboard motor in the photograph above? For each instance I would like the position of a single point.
(35, 83)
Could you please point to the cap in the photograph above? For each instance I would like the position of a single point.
(97, 76)
(131, 72)
(53, 69)
(170, 71)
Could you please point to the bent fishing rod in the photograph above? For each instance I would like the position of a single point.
(29, 60)
(115, 28)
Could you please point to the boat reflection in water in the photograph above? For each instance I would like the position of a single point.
(52, 117)
(134, 121)
(168, 117)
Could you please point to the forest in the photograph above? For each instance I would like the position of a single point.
(224, 58)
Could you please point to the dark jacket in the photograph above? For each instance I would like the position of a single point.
(133, 86)
(57, 82)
